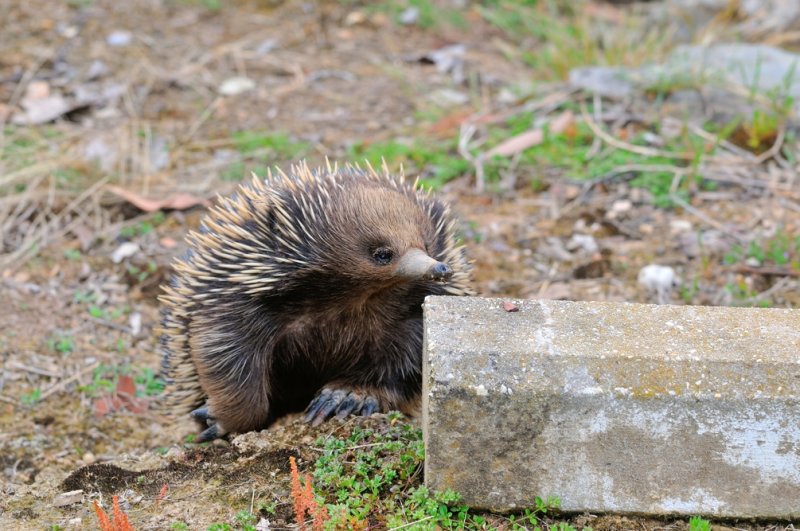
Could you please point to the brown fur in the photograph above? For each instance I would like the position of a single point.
(282, 295)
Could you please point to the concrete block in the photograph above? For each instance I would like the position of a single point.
(614, 407)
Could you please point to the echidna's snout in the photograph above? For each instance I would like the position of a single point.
(441, 271)
(416, 264)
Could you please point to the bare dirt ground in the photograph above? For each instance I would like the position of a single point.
(147, 98)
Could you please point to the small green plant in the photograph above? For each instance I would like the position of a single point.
(105, 378)
(532, 516)
(30, 399)
(72, 254)
(760, 131)
(429, 14)
(375, 475)
(689, 291)
(268, 508)
(143, 227)
(261, 150)
(743, 294)
(246, 520)
(553, 36)
(238, 171)
(219, 527)
(83, 297)
(179, 526)
(62, 344)
(211, 5)
(435, 162)
(572, 152)
(280, 145)
(696, 523)
(149, 383)
(140, 274)
(780, 250)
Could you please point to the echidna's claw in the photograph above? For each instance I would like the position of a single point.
(209, 434)
(339, 402)
(347, 406)
(202, 416)
(208, 423)
(324, 404)
(371, 405)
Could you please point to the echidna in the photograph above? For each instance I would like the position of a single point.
(305, 290)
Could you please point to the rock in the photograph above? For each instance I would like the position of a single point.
(759, 18)
(409, 16)
(68, 498)
(613, 407)
(119, 38)
(236, 85)
(448, 97)
(749, 66)
(658, 280)
(605, 81)
(125, 250)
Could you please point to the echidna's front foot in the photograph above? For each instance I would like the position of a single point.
(339, 402)
(205, 418)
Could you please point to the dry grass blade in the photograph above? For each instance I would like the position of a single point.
(48, 227)
(775, 149)
(22, 175)
(626, 146)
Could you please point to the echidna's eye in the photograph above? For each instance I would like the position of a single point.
(382, 255)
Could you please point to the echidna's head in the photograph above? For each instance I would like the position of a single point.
(387, 236)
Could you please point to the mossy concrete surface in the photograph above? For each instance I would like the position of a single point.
(613, 407)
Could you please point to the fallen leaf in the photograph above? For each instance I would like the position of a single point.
(162, 493)
(124, 397)
(167, 242)
(102, 406)
(449, 124)
(510, 306)
(126, 386)
(42, 110)
(180, 201)
(521, 142)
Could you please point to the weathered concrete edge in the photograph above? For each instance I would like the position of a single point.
(779, 314)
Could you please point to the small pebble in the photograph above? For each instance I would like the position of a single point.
(125, 250)
(119, 38)
(409, 16)
(236, 85)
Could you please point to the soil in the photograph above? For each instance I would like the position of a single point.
(76, 327)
